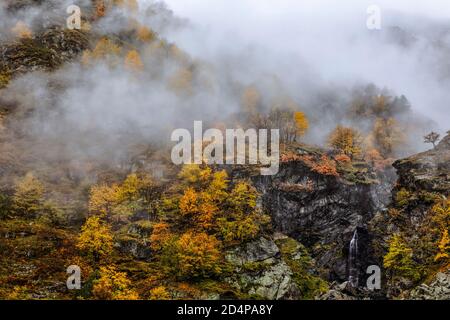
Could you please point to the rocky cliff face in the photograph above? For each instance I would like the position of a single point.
(261, 271)
(325, 215)
(423, 181)
(428, 171)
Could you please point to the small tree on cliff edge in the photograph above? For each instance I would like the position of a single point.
(432, 137)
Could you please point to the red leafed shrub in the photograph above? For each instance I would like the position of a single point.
(326, 166)
(342, 158)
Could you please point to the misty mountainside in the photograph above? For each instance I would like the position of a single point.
(87, 180)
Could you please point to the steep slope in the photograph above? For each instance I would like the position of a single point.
(428, 171)
(418, 216)
(324, 211)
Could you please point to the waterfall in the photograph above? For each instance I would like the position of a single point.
(352, 261)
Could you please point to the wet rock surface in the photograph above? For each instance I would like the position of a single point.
(325, 217)
(260, 271)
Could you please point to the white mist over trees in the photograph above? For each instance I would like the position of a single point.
(312, 43)
(319, 55)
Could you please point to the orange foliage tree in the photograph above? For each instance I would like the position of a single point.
(118, 199)
(100, 8)
(326, 166)
(206, 213)
(198, 255)
(160, 236)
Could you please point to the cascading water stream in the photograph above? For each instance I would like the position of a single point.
(352, 261)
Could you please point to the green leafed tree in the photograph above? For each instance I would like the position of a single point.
(399, 259)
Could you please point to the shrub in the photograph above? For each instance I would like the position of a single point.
(403, 197)
(326, 167)
(343, 158)
(5, 78)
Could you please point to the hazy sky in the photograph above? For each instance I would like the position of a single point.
(323, 40)
(431, 8)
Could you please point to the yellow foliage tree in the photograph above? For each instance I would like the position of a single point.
(28, 196)
(95, 239)
(159, 293)
(105, 47)
(217, 188)
(211, 206)
(129, 190)
(5, 78)
(113, 285)
(243, 197)
(160, 236)
(21, 30)
(133, 61)
(194, 175)
(345, 140)
(198, 255)
(444, 247)
(399, 260)
(387, 136)
(441, 214)
(144, 34)
(241, 221)
(301, 122)
(189, 202)
(207, 212)
(102, 199)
